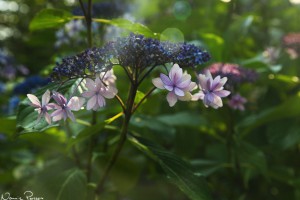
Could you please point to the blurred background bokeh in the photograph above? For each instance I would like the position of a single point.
(249, 149)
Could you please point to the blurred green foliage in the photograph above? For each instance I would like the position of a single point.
(209, 154)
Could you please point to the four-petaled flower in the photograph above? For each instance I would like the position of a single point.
(237, 102)
(64, 108)
(42, 108)
(211, 90)
(108, 77)
(177, 83)
(97, 92)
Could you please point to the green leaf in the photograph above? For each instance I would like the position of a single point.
(27, 116)
(86, 133)
(8, 125)
(49, 18)
(178, 171)
(289, 108)
(133, 27)
(139, 96)
(73, 186)
(182, 119)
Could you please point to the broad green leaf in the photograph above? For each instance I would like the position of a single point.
(214, 43)
(27, 116)
(49, 18)
(183, 119)
(178, 171)
(133, 27)
(74, 185)
(86, 133)
(289, 108)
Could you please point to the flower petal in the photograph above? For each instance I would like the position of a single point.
(157, 82)
(90, 84)
(70, 115)
(48, 118)
(46, 98)
(101, 101)
(175, 73)
(88, 94)
(202, 82)
(91, 103)
(75, 103)
(222, 93)
(59, 98)
(34, 100)
(171, 98)
(187, 97)
(57, 115)
(197, 96)
(184, 82)
(179, 92)
(110, 92)
(166, 80)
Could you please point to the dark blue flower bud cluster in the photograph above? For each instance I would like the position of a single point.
(135, 51)
(30, 84)
(87, 63)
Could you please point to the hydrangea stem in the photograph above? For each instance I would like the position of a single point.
(124, 130)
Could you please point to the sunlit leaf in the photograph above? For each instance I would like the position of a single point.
(49, 18)
(177, 171)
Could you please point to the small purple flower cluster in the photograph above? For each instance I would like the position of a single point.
(96, 92)
(179, 85)
(235, 73)
(291, 43)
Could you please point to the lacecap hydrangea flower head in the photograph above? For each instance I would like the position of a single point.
(138, 56)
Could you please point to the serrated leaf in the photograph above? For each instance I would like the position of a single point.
(49, 18)
(178, 171)
(27, 116)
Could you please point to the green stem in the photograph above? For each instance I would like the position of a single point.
(123, 136)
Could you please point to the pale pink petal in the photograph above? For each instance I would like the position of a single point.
(75, 103)
(34, 100)
(165, 79)
(184, 82)
(222, 93)
(202, 81)
(171, 98)
(175, 73)
(57, 115)
(70, 115)
(91, 102)
(192, 86)
(187, 97)
(51, 106)
(179, 92)
(101, 101)
(217, 102)
(48, 118)
(208, 74)
(46, 98)
(157, 82)
(88, 94)
(197, 96)
(110, 92)
(90, 84)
